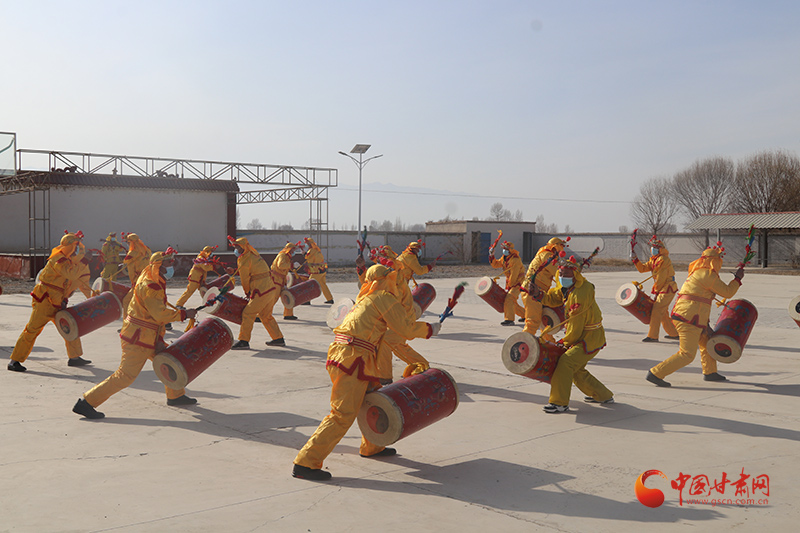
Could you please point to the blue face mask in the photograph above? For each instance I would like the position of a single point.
(236, 252)
(505, 252)
(169, 273)
(566, 282)
(654, 250)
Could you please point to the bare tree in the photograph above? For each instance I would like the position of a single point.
(624, 229)
(655, 205)
(254, 224)
(767, 182)
(705, 187)
(496, 212)
(518, 215)
(541, 227)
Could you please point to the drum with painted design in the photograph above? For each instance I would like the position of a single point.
(423, 296)
(338, 311)
(227, 307)
(794, 310)
(90, 315)
(552, 316)
(733, 328)
(217, 283)
(197, 349)
(406, 406)
(635, 301)
(301, 293)
(529, 356)
(102, 285)
(491, 293)
(293, 278)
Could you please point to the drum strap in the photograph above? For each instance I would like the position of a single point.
(340, 338)
(141, 323)
(589, 327)
(694, 298)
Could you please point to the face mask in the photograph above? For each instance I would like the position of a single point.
(654, 250)
(169, 273)
(505, 252)
(566, 282)
(236, 252)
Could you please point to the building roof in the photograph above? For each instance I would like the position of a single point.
(70, 179)
(788, 220)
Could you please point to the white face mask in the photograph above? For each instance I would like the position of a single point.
(236, 252)
(169, 273)
(505, 252)
(654, 250)
(566, 282)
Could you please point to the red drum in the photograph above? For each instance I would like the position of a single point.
(229, 307)
(217, 283)
(300, 293)
(491, 293)
(733, 328)
(552, 316)
(293, 278)
(396, 411)
(635, 302)
(423, 296)
(794, 309)
(532, 357)
(101, 285)
(192, 353)
(338, 311)
(87, 316)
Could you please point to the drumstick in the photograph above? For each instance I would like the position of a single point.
(548, 329)
(639, 283)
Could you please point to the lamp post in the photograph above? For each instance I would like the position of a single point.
(360, 149)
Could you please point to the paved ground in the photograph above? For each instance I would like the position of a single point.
(498, 463)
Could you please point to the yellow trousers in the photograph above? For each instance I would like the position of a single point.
(193, 286)
(533, 315)
(510, 306)
(133, 359)
(261, 306)
(690, 338)
(110, 272)
(347, 395)
(42, 313)
(660, 316)
(326, 292)
(398, 345)
(571, 369)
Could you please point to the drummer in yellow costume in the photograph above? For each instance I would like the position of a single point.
(197, 275)
(142, 335)
(690, 315)
(544, 266)
(136, 260)
(317, 268)
(664, 289)
(57, 280)
(514, 271)
(281, 266)
(110, 254)
(257, 283)
(583, 339)
(353, 367)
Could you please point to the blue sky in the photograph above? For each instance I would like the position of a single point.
(558, 108)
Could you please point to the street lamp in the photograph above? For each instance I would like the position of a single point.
(360, 149)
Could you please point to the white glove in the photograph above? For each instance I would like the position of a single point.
(435, 328)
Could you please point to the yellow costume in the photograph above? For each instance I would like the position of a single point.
(317, 268)
(110, 254)
(513, 269)
(547, 255)
(137, 258)
(257, 283)
(58, 279)
(664, 289)
(690, 315)
(197, 275)
(353, 366)
(281, 266)
(142, 333)
(84, 275)
(584, 337)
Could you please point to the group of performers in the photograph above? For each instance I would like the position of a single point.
(380, 323)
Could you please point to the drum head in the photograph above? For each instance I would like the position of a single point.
(380, 419)
(520, 352)
(210, 295)
(291, 279)
(100, 285)
(550, 317)
(287, 299)
(170, 371)
(626, 294)
(67, 325)
(724, 349)
(338, 311)
(794, 308)
(483, 286)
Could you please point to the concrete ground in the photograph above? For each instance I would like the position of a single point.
(497, 463)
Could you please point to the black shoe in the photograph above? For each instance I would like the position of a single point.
(589, 399)
(386, 452)
(181, 400)
(553, 408)
(276, 342)
(658, 381)
(312, 474)
(16, 366)
(672, 337)
(168, 326)
(328, 301)
(82, 407)
(241, 345)
(258, 319)
(521, 319)
(290, 317)
(649, 339)
(507, 323)
(714, 377)
(306, 303)
(78, 361)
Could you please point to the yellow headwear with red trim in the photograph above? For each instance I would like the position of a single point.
(69, 242)
(310, 242)
(206, 252)
(655, 241)
(507, 245)
(710, 259)
(378, 278)
(246, 246)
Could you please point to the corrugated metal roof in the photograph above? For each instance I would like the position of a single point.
(789, 220)
(136, 182)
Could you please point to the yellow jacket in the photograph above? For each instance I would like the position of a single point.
(544, 279)
(693, 303)
(411, 266)
(255, 274)
(138, 256)
(355, 347)
(148, 313)
(585, 321)
(315, 261)
(199, 272)
(110, 252)
(58, 279)
(513, 269)
(281, 267)
(663, 273)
